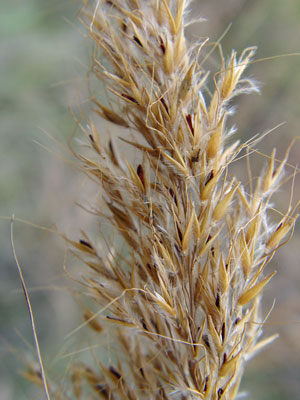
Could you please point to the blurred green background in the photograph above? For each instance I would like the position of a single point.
(44, 58)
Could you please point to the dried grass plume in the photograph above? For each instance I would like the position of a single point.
(180, 286)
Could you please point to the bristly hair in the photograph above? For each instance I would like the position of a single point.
(185, 295)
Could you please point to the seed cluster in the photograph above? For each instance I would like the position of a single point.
(184, 296)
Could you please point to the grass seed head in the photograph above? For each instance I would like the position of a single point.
(182, 280)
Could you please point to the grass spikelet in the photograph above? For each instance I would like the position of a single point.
(252, 292)
(179, 281)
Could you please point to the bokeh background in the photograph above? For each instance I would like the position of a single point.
(44, 59)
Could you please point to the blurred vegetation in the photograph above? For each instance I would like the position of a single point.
(43, 66)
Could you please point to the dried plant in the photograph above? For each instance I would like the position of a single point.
(180, 285)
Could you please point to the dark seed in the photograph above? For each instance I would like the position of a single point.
(218, 300)
(81, 241)
(210, 176)
(137, 40)
(190, 123)
(162, 45)
(115, 372)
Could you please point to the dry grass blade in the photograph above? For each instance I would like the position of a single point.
(36, 342)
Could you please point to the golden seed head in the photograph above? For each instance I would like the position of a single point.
(179, 273)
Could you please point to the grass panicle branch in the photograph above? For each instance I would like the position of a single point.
(184, 297)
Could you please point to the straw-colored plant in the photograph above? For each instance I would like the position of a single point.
(180, 285)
